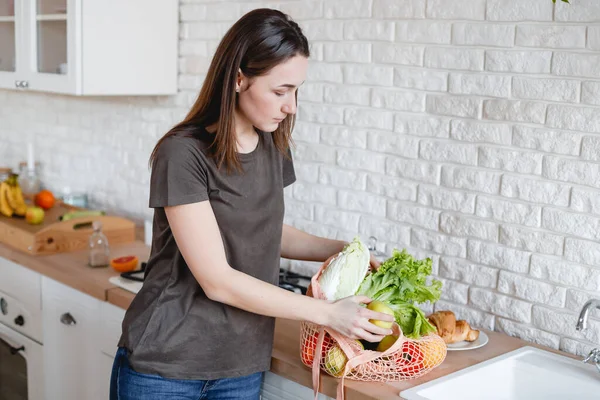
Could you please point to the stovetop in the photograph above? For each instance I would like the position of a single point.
(288, 280)
(293, 282)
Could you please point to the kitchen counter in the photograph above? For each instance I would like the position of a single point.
(71, 269)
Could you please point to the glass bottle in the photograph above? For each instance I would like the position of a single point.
(5, 173)
(99, 251)
(29, 179)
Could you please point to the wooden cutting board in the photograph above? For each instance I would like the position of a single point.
(55, 236)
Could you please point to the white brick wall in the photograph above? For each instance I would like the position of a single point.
(465, 130)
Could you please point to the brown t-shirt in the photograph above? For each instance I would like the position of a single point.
(172, 328)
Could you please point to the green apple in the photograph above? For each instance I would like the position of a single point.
(381, 307)
(34, 215)
(386, 343)
(335, 361)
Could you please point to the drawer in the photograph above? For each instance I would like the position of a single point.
(21, 317)
(21, 283)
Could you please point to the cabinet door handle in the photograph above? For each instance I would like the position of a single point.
(18, 84)
(15, 350)
(25, 84)
(67, 319)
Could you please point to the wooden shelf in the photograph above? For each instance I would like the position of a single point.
(7, 19)
(52, 17)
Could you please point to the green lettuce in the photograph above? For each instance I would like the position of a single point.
(402, 282)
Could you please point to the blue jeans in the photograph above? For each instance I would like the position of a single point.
(127, 384)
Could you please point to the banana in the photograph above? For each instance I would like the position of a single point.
(11, 198)
(21, 211)
(14, 196)
(18, 202)
(5, 208)
(19, 196)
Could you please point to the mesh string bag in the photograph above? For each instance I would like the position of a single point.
(324, 349)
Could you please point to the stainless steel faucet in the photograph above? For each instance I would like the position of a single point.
(583, 316)
(594, 356)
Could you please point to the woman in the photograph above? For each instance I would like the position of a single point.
(202, 325)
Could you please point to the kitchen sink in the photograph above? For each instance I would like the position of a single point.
(524, 374)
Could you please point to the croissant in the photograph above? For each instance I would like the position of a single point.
(445, 323)
(464, 332)
(451, 330)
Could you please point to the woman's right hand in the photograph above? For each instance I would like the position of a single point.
(347, 317)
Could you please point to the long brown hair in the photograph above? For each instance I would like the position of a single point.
(257, 42)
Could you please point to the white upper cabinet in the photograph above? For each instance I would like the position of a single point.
(89, 47)
(11, 20)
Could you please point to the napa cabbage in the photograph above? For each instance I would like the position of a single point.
(345, 273)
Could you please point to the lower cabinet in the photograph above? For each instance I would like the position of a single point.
(111, 317)
(276, 387)
(80, 336)
(77, 363)
(104, 371)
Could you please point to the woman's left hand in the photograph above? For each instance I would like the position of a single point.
(374, 263)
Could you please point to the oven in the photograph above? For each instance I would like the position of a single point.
(21, 350)
(21, 374)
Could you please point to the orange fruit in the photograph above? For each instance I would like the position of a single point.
(124, 264)
(44, 199)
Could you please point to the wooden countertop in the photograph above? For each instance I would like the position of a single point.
(71, 269)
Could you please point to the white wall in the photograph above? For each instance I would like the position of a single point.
(464, 130)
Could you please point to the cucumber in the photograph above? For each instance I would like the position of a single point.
(81, 214)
